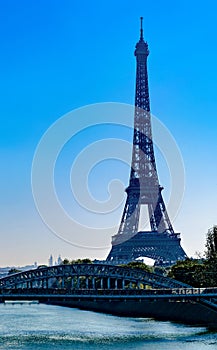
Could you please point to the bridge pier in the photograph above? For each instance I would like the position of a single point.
(108, 282)
(93, 283)
(29, 284)
(45, 283)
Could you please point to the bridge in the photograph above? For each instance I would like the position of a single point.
(113, 289)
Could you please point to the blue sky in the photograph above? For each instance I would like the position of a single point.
(60, 55)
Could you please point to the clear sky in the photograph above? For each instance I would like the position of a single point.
(57, 56)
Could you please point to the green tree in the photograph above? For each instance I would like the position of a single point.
(189, 271)
(159, 270)
(87, 261)
(138, 265)
(211, 243)
(66, 262)
(13, 270)
(77, 261)
(81, 261)
(210, 272)
(210, 263)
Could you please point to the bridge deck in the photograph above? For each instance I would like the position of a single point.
(113, 289)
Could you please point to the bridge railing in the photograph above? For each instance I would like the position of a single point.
(120, 292)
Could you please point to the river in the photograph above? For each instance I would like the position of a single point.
(38, 326)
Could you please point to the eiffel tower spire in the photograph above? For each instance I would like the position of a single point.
(141, 28)
(144, 187)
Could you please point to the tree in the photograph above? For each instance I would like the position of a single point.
(86, 261)
(81, 261)
(138, 265)
(159, 270)
(77, 261)
(66, 262)
(189, 271)
(211, 243)
(13, 270)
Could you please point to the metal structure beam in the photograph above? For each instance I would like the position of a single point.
(75, 277)
(144, 187)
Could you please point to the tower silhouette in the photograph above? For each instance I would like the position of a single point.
(161, 243)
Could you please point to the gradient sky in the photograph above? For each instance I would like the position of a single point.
(60, 55)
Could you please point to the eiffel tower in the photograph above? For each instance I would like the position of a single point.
(161, 243)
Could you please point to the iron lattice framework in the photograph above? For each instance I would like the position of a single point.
(162, 243)
(80, 276)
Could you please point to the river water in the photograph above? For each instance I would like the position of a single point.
(39, 326)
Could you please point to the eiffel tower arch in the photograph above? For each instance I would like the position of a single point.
(161, 243)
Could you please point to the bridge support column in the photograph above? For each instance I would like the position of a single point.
(130, 285)
(45, 283)
(123, 284)
(87, 283)
(29, 284)
(78, 282)
(101, 283)
(93, 283)
(72, 283)
(116, 283)
(108, 283)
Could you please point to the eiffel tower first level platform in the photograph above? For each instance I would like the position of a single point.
(161, 243)
(164, 248)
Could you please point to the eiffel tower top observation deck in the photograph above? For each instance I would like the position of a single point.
(144, 187)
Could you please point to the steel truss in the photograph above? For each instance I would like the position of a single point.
(87, 276)
(144, 187)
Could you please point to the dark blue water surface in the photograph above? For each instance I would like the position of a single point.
(53, 327)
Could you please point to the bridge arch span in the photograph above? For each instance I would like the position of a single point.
(89, 276)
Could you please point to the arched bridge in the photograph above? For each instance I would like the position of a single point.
(113, 289)
(87, 276)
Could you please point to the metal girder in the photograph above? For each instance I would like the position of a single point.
(89, 270)
(144, 187)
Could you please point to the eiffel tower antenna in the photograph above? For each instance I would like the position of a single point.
(141, 28)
